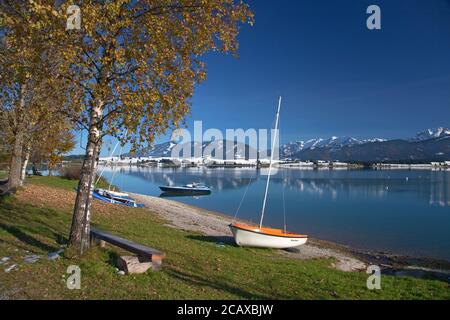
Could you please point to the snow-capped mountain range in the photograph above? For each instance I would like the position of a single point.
(427, 144)
(335, 143)
(430, 144)
(240, 150)
(432, 134)
(291, 148)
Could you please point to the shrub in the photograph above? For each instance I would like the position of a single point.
(72, 172)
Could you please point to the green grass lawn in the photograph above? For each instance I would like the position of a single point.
(195, 267)
(58, 182)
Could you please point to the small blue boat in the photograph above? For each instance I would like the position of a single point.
(188, 189)
(115, 198)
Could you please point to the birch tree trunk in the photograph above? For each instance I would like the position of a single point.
(80, 229)
(15, 165)
(85, 240)
(25, 160)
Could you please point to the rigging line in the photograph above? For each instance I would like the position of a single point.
(115, 168)
(110, 155)
(284, 202)
(120, 186)
(249, 182)
(104, 167)
(81, 140)
(243, 197)
(283, 177)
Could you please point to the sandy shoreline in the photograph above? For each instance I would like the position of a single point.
(186, 217)
(214, 224)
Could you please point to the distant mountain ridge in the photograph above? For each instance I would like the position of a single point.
(239, 151)
(334, 143)
(429, 145)
(432, 133)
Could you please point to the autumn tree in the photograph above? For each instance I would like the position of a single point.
(21, 56)
(50, 145)
(137, 63)
(37, 126)
(32, 95)
(16, 68)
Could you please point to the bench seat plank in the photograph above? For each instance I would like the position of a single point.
(127, 244)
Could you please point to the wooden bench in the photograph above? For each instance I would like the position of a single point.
(146, 257)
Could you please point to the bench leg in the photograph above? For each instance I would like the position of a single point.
(101, 243)
(156, 263)
(138, 264)
(133, 264)
(98, 242)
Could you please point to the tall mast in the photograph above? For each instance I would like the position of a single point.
(270, 164)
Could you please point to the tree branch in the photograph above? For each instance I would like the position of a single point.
(159, 10)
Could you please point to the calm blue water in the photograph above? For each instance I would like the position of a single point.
(401, 211)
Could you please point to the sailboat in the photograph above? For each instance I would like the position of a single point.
(115, 198)
(112, 196)
(262, 237)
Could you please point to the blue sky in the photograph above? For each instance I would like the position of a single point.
(336, 76)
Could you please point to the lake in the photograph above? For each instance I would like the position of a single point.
(400, 211)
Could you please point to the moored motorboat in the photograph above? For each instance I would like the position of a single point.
(181, 195)
(193, 188)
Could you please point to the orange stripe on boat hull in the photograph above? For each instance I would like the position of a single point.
(268, 231)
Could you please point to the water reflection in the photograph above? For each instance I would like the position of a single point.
(217, 179)
(433, 186)
(440, 188)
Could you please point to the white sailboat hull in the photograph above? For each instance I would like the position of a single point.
(254, 238)
(113, 193)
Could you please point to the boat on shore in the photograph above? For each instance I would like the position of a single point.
(188, 189)
(262, 237)
(115, 197)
